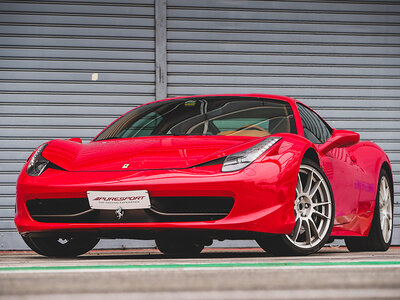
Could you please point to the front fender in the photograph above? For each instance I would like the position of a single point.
(287, 155)
(295, 147)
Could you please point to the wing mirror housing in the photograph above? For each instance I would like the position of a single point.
(340, 138)
(77, 140)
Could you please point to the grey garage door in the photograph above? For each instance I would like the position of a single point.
(67, 69)
(340, 57)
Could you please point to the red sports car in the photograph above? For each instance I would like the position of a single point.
(188, 170)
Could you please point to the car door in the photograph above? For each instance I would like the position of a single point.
(342, 172)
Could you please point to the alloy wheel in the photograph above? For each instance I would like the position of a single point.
(385, 209)
(313, 209)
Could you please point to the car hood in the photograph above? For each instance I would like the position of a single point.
(143, 153)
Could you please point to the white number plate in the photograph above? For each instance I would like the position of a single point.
(119, 199)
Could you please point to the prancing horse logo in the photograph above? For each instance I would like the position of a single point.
(119, 212)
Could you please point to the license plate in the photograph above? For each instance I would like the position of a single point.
(119, 199)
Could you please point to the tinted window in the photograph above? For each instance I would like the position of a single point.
(143, 126)
(246, 116)
(314, 128)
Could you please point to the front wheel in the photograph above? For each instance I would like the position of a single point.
(314, 210)
(61, 247)
(380, 234)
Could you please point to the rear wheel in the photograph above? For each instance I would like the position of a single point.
(177, 245)
(314, 211)
(61, 247)
(380, 235)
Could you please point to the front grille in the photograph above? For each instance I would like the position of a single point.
(192, 205)
(163, 209)
(69, 206)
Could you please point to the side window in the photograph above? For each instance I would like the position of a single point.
(314, 128)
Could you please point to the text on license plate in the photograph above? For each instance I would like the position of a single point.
(138, 199)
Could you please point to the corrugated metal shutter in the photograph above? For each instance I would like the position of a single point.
(48, 54)
(339, 57)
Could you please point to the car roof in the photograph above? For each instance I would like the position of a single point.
(255, 95)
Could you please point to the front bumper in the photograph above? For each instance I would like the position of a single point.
(263, 198)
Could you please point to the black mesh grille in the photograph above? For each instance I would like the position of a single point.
(192, 204)
(57, 206)
(163, 209)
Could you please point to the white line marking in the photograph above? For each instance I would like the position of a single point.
(189, 269)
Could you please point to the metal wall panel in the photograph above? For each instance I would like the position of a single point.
(48, 53)
(340, 57)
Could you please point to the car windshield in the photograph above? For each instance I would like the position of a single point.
(222, 115)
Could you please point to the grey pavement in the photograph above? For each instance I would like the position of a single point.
(238, 273)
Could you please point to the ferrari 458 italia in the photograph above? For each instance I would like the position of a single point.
(186, 171)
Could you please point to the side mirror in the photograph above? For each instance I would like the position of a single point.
(77, 140)
(340, 138)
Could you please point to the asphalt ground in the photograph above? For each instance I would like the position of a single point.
(234, 273)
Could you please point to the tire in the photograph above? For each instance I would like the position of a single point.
(58, 247)
(380, 234)
(314, 214)
(178, 246)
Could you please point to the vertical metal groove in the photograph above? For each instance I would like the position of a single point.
(161, 48)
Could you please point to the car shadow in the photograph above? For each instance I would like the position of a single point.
(210, 253)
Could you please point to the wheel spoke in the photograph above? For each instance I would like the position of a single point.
(307, 229)
(314, 189)
(386, 188)
(307, 188)
(299, 187)
(382, 195)
(389, 225)
(297, 216)
(388, 200)
(381, 203)
(384, 227)
(313, 227)
(320, 214)
(296, 231)
(321, 203)
(385, 196)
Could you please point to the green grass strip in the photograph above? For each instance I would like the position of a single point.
(200, 265)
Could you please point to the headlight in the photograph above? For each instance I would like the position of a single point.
(38, 163)
(241, 160)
